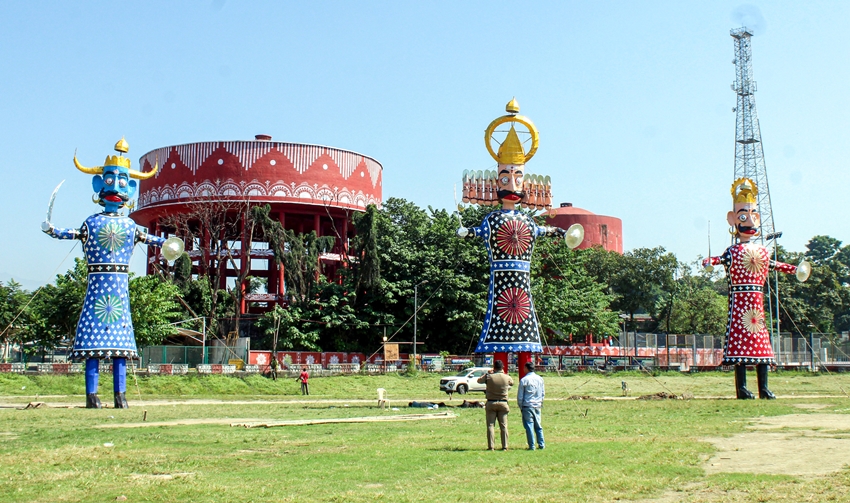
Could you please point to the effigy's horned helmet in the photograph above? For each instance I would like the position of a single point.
(117, 160)
(480, 187)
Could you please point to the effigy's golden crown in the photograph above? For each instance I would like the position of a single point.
(117, 160)
(510, 150)
(744, 191)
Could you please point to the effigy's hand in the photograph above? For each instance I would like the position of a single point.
(46, 227)
(462, 232)
(172, 248)
(804, 270)
(574, 236)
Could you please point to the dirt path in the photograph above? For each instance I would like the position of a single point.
(794, 444)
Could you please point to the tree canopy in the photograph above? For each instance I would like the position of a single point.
(404, 257)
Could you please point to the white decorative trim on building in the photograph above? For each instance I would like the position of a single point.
(301, 156)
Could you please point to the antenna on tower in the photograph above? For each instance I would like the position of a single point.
(749, 156)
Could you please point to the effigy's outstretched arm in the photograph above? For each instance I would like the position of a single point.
(468, 232)
(545, 230)
(573, 236)
(60, 233)
(724, 259)
(708, 263)
(802, 271)
(775, 265)
(171, 247)
(149, 239)
(711, 261)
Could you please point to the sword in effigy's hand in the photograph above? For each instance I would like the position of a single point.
(46, 225)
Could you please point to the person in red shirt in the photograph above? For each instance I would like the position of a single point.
(305, 390)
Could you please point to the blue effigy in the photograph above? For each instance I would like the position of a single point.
(105, 327)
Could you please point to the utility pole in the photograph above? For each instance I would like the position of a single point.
(416, 315)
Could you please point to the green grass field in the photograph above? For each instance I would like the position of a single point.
(597, 450)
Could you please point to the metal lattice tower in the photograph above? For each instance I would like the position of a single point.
(749, 157)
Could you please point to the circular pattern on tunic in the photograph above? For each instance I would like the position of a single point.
(513, 305)
(753, 320)
(513, 237)
(108, 308)
(111, 236)
(753, 261)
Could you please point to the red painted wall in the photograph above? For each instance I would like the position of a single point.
(599, 230)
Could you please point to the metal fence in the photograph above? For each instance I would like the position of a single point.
(814, 350)
(192, 355)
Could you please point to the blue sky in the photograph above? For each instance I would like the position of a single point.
(632, 100)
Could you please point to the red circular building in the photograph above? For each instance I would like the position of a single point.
(309, 188)
(599, 230)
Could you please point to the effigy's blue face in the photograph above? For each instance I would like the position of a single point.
(114, 187)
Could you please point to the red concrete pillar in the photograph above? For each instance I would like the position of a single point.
(317, 224)
(523, 357)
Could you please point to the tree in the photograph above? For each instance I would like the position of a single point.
(645, 275)
(55, 310)
(696, 306)
(367, 271)
(286, 327)
(416, 245)
(153, 307)
(13, 314)
(215, 227)
(821, 304)
(567, 298)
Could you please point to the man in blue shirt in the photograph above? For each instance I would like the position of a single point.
(530, 400)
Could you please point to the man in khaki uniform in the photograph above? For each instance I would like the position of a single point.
(498, 383)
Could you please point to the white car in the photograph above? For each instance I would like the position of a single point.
(464, 381)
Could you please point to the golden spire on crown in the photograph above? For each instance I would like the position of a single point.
(510, 151)
(744, 191)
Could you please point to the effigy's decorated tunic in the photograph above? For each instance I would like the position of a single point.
(747, 338)
(105, 328)
(510, 323)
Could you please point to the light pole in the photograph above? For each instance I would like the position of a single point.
(416, 315)
(775, 236)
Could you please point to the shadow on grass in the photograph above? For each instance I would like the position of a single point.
(454, 449)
